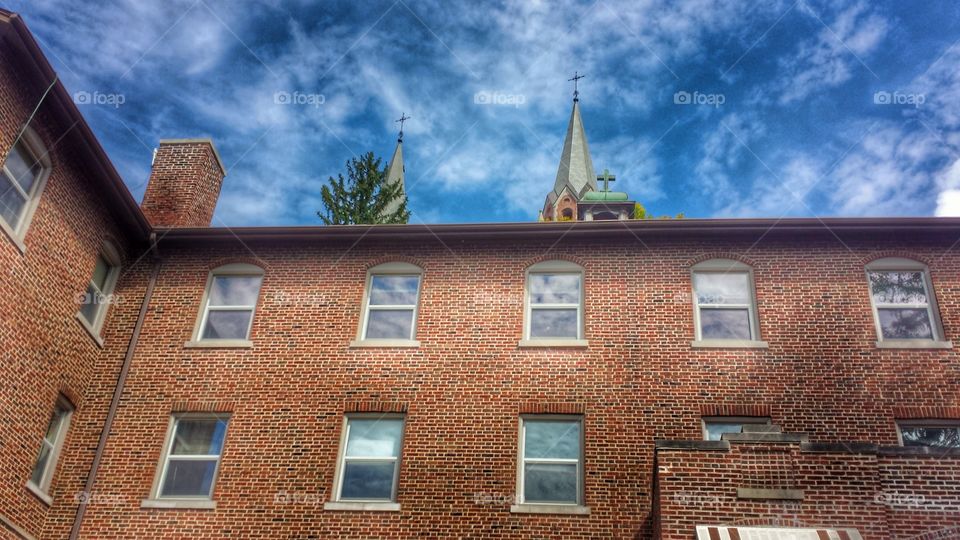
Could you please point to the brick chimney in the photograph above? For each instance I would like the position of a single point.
(184, 183)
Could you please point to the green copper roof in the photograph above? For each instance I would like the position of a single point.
(605, 196)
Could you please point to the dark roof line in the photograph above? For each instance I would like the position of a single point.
(595, 230)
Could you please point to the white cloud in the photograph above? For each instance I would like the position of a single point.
(829, 59)
(948, 203)
(782, 192)
(727, 148)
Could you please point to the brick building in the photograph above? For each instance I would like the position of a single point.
(678, 379)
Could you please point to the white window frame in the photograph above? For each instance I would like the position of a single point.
(758, 420)
(342, 458)
(557, 267)
(924, 423)
(37, 150)
(393, 269)
(228, 270)
(522, 460)
(725, 266)
(56, 446)
(111, 256)
(161, 475)
(900, 264)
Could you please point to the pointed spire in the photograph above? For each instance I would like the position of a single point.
(576, 167)
(395, 174)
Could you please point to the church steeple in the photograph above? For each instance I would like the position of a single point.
(576, 167)
(575, 194)
(395, 170)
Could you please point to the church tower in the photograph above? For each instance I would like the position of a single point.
(396, 171)
(576, 194)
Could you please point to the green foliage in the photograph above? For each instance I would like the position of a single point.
(639, 212)
(363, 196)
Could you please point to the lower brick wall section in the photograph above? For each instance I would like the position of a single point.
(923, 496)
(889, 496)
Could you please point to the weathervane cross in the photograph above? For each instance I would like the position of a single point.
(575, 79)
(403, 118)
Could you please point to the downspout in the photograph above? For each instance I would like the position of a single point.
(118, 390)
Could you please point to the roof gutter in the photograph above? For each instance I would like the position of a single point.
(885, 228)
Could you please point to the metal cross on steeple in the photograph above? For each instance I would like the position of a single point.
(576, 77)
(606, 178)
(403, 118)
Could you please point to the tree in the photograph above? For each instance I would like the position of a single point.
(639, 212)
(364, 196)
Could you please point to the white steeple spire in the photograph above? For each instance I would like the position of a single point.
(395, 170)
(395, 175)
(576, 167)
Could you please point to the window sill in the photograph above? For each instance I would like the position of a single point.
(345, 506)
(729, 344)
(38, 493)
(914, 344)
(14, 237)
(195, 504)
(577, 343)
(567, 509)
(89, 329)
(384, 343)
(219, 344)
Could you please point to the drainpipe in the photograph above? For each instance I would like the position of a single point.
(118, 390)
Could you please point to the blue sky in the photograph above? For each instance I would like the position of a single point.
(796, 108)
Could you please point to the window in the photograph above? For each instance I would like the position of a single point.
(50, 447)
(714, 427)
(551, 460)
(23, 175)
(191, 456)
(944, 434)
(370, 458)
(724, 302)
(96, 300)
(554, 301)
(393, 291)
(230, 302)
(903, 303)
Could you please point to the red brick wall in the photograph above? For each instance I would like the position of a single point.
(44, 349)
(884, 497)
(466, 385)
(185, 182)
(462, 390)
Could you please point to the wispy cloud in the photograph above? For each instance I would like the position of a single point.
(798, 96)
